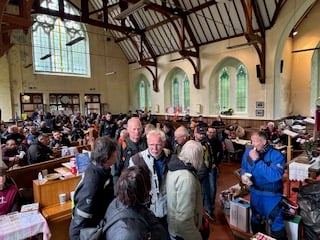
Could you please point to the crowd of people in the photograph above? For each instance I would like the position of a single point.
(147, 169)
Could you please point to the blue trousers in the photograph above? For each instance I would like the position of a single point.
(209, 189)
(262, 206)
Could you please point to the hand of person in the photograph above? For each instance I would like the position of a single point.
(245, 179)
(253, 154)
(14, 159)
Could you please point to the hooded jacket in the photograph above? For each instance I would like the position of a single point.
(184, 200)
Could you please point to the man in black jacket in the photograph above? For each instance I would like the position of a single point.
(94, 193)
(132, 145)
(107, 126)
(39, 150)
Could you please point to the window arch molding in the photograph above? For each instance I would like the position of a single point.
(142, 89)
(177, 90)
(315, 76)
(50, 35)
(236, 95)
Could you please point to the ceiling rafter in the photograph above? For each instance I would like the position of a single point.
(180, 26)
(142, 61)
(123, 29)
(9, 21)
(259, 41)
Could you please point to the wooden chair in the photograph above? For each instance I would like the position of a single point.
(231, 152)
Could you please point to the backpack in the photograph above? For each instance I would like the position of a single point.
(98, 233)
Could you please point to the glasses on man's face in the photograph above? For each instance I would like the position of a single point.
(178, 137)
(155, 145)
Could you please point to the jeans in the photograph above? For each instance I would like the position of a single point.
(213, 175)
(206, 194)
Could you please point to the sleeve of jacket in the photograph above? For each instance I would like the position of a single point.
(119, 162)
(101, 129)
(85, 202)
(272, 172)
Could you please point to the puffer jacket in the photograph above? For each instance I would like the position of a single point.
(184, 200)
(133, 228)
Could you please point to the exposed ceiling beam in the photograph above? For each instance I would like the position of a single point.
(19, 22)
(260, 45)
(90, 21)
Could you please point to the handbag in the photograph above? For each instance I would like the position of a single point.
(205, 228)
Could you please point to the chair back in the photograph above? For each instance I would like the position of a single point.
(229, 145)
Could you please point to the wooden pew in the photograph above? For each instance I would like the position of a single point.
(47, 195)
(24, 176)
(57, 215)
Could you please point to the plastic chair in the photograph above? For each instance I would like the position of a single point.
(232, 153)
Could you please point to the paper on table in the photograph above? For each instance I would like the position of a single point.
(290, 133)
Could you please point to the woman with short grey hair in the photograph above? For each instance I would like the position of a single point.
(184, 198)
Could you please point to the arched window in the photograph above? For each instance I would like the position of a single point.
(241, 89)
(315, 76)
(229, 84)
(144, 93)
(60, 47)
(224, 86)
(177, 90)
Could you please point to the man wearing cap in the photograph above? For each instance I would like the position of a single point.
(203, 172)
(9, 197)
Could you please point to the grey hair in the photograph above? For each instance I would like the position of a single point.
(183, 131)
(192, 153)
(157, 132)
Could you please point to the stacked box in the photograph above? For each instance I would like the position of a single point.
(240, 214)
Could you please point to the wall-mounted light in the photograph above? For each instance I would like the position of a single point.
(131, 9)
(28, 65)
(137, 68)
(110, 73)
(74, 41)
(242, 44)
(46, 56)
(180, 59)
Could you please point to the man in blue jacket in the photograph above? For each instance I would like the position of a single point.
(262, 169)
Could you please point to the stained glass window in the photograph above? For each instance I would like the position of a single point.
(60, 46)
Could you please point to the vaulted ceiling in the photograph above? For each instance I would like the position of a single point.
(147, 29)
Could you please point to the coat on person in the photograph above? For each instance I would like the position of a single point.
(133, 228)
(129, 211)
(184, 200)
(94, 192)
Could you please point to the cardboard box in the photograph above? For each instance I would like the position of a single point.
(240, 214)
(292, 228)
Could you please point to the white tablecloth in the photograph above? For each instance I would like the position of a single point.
(300, 171)
(21, 226)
